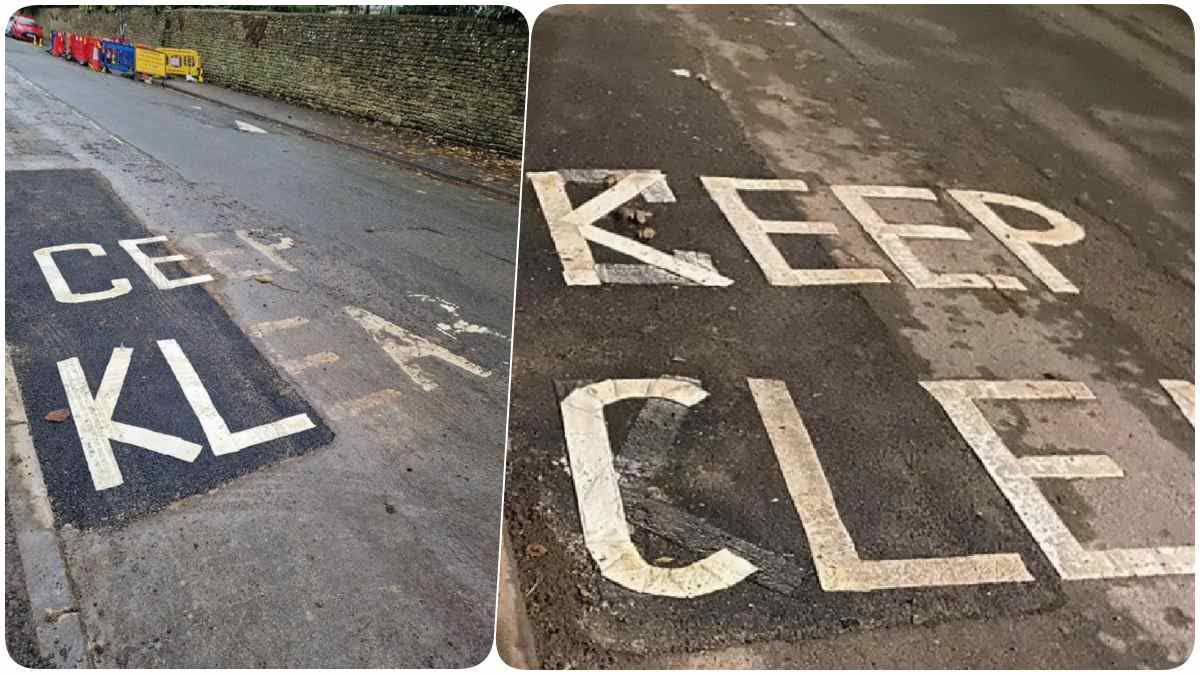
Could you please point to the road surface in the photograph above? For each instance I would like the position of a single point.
(869, 335)
(284, 445)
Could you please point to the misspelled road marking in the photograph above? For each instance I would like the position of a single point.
(215, 428)
(601, 510)
(839, 568)
(92, 416)
(405, 348)
(58, 284)
(95, 425)
(150, 265)
(1012, 475)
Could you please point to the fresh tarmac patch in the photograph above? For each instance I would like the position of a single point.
(138, 352)
(905, 483)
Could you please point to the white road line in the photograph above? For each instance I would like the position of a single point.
(1183, 393)
(267, 252)
(405, 348)
(249, 128)
(216, 430)
(296, 366)
(839, 568)
(265, 328)
(601, 510)
(1056, 540)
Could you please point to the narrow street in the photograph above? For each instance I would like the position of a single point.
(302, 352)
(869, 332)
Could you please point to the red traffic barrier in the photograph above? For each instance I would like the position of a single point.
(58, 45)
(92, 48)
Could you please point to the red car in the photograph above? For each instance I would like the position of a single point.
(23, 28)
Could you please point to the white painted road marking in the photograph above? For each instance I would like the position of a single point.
(601, 510)
(572, 228)
(223, 442)
(149, 265)
(58, 285)
(249, 128)
(1183, 393)
(890, 236)
(406, 348)
(264, 328)
(755, 234)
(96, 428)
(1010, 474)
(269, 252)
(1062, 231)
(839, 567)
(296, 366)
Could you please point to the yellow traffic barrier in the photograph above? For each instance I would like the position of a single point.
(150, 62)
(183, 62)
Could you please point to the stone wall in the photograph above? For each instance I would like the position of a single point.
(461, 79)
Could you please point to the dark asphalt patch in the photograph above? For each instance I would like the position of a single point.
(47, 208)
(905, 482)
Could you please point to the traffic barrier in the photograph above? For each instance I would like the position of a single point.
(183, 62)
(58, 44)
(118, 57)
(150, 62)
(77, 48)
(92, 48)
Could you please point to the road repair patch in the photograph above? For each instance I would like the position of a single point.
(138, 387)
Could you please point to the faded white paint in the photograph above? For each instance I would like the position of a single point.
(839, 567)
(572, 228)
(58, 284)
(94, 424)
(756, 232)
(405, 348)
(362, 405)
(1063, 231)
(601, 510)
(1183, 393)
(264, 328)
(890, 236)
(1012, 475)
(223, 441)
(150, 264)
(268, 252)
(297, 366)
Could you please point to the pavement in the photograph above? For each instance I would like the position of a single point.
(264, 378)
(810, 482)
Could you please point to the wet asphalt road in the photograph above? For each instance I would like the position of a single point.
(1086, 112)
(376, 548)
